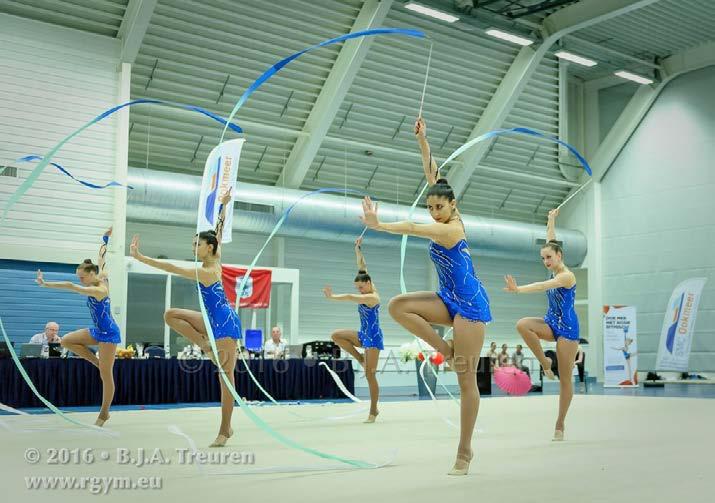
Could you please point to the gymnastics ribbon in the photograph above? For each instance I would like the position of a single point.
(429, 390)
(340, 383)
(212, 341)
(283, 62)
(486, 136)
(113, 183)
(44, 161)
(47, 158)
(460, 151)
(260, 81)
(278, 225)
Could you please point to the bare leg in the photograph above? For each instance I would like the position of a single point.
(189, 324)
(349, 341)
(417, 312)
(77, 342)
(371, 359)
(468, 341)
(533, 330)
(227, 358)
(566, 354)
(107, 353)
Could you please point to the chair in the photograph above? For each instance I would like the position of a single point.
(254, 339)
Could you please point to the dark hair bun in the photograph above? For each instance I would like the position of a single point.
(442, 181)
(362, 271)
(87, 261)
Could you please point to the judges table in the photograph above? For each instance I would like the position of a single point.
(72, 381)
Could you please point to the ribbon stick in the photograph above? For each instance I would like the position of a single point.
(576, 192)
(283, 62)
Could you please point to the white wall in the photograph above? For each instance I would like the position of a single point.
(611, 102)
(658, 207)
(655, 209)
(53, 81)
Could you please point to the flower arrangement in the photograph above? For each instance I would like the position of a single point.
(125, 353)
(412, 351)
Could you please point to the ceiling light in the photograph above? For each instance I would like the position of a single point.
(427, 11)
(635, 78)
(580, 60)
(509, 37)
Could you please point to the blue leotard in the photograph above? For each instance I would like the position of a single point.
(561, 315)
(370, 333)
(224, 320)
(105, 328)
(459, 287)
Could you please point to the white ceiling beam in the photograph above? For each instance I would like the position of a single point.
(133, 28)
(596, 85)
(89, 45)
(631, 116)
(555, 26)
(331, 96)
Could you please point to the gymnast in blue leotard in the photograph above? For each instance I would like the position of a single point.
(224, 321)
(560, 323)
(369, 337)
(105, 332)
(461, 301)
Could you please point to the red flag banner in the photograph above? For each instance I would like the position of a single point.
(257, 292)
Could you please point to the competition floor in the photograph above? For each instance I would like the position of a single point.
(617, 448)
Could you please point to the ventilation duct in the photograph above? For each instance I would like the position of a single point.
(166, 198)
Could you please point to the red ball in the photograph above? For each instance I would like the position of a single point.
(437, 358)
(420, 356)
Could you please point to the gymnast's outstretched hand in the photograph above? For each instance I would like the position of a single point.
(369, 210)
(134, 247)
(40, 280)
(510, 284)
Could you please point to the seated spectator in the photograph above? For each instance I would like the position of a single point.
(275, 348)
(492, 354)
(51, 334)
(517, 359)
(503, 357)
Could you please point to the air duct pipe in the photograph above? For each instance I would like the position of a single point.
(172, 199)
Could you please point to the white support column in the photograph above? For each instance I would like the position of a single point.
(576, 115)
(595, 282)
(279, 248)
(568, 172)
(333, 92)
(115, 254)
(295, 335)
(592, 127)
